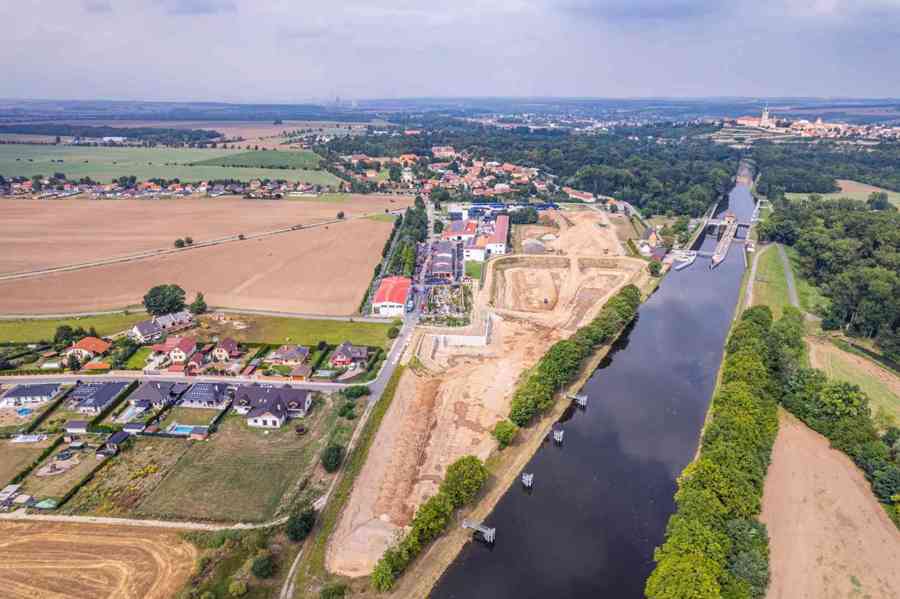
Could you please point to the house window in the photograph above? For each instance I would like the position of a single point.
(265, 422)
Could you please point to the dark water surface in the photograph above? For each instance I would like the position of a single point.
(600, 502)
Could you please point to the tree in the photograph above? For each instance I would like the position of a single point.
(179, 243)
(438, 226)
(356, 391)
(505, 432)
(188, 241)
(393, 332)
(74, 362)
(332, 456)
(655, 268)
(340, 215)
(335, 590)
(464, 479)
(237, 588)
(263, 566)
(299, 525)
(198, 306)
(64, 334)
(164, 299)
(878, 200)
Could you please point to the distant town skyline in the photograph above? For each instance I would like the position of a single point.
(275, 51)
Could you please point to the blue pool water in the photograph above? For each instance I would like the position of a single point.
(24, 412)
(180, 429)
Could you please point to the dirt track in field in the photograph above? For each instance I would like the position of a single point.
(37, 234)
(65, 561)
(829, 537)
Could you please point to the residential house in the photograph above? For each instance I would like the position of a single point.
(86, 349)
(93, 398)
(650, 237)
(301, 372)
(460, 230)
(582, 196)
(114, 443)
(227, 349)
(76, 427)
(146, 331)
(184, 349)
(288, 355)
(175, 321)
(29, 394)
(391, 296)
(269, 406)
(158, 394)
(206, 395)
(442, 152)
(347, 355)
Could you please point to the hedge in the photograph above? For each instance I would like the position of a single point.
(714, 545)
(561, 364)
(461, 485)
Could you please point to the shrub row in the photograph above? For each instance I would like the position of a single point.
(464, 480)
(714, 545)
(560, 365)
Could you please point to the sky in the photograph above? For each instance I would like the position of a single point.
(301, 50)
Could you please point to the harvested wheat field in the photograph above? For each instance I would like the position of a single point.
(321, 270)
(829, 537)
(42, 234)
(69, 561)
(447, 405)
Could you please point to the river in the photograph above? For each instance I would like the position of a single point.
(601, 501)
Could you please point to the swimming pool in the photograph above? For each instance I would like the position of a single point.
(180, 429)
(22, 412)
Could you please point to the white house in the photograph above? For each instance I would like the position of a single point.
(390, 299)
(28, 394)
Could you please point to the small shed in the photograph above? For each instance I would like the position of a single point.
(77, 427)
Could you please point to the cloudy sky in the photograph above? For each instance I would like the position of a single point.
(295, 50)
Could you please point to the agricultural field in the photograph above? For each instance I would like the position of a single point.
(104, 164)
(31, 330)
(14, 457)
(44, 234)
(37, 560)
(241, 473)
(289, 159)
(126, 481)
(854, 191)
(320, 270)
(278, 330)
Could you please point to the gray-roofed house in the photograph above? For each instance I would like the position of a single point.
(175, 321)
(76, 427)
(146, 331)
(93, 398)
(225, 350)
(346, 355)
(206, 395)
(288, 355)
(270, 406)
(159, 394)
(29, 394)
(114, 442)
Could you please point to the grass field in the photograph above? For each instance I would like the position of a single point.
(43, 329)
(106, 164)
(188, 416)
(57, 485)
(770, 285)
(122, 484)
(473, 269)
(811, 298)
(240, 473)
(138, 359)
(16, 456)
(302, 159)
(302, 331)
(854, 191)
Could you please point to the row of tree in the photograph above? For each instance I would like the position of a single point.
(853, 254)
(715, 546)
(153, 135)
(463, 481)
(411, 230)
(560, 365)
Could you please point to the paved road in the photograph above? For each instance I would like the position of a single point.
(789, 276)
(748, 293)
(127, 376)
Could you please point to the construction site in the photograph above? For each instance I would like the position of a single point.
(460, 381)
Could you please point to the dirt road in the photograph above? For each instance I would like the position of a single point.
(70, 561)
(829, 537)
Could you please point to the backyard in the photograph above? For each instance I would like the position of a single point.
(188, 417)
(241, 473)
(61, 471)
(14, 457)
(138, 359)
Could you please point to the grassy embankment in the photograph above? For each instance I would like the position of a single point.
(31, 330)
(770, 285)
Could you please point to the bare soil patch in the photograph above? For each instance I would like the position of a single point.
(67, 561)
(42, 234)
(829, 537)
(322, 270)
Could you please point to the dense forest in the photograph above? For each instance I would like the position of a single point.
(149, 135)
(853, 254)
(813, 168)
(679, 175)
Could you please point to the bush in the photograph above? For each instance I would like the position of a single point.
(505, 432)
(263, 566)
(347, 410)
(393, 333)
(464, 479)
(356, 391)
(655, 268)
(179, 243)
(299, 525)
(332, 456)
(336, 590)
(237, 588)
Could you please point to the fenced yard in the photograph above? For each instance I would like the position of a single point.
(14, 457)
(55, 476)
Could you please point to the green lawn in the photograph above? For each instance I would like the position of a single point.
(44, 329)
(138, 359)
(473, 269)
(188, 416)
(770, 284)
(874, 380)
(304, 331)
(106, 164)
(811, 298)
(285, 159)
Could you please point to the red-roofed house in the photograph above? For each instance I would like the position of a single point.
(87, 348)
(390, 299)
(183, 350)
